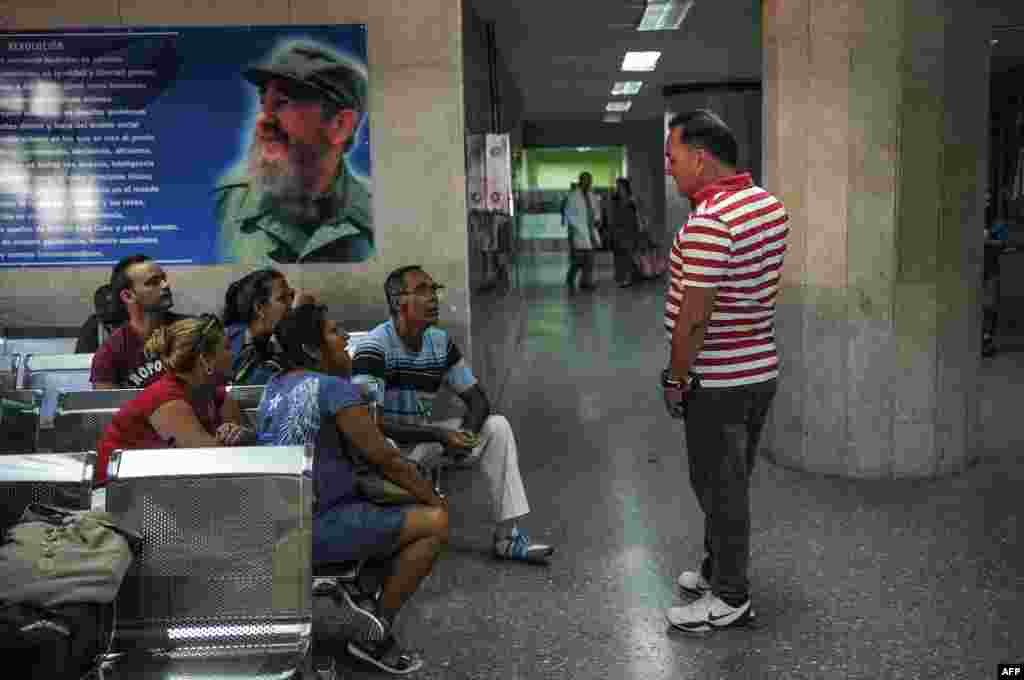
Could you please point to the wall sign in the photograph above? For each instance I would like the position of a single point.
(191, 145)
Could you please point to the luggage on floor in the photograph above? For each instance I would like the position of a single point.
(650, 263)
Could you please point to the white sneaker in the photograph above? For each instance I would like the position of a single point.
(707, 613)
(693, 583)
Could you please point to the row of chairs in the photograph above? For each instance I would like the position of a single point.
(55, 389)
(222, 584)
(77, 418)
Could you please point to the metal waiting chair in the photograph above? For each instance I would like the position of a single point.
(248, 398)
(222, 586)
(14, 350)
(62, 479)
(19, 421)
(81, 416)
(37, 345)
(54, 373)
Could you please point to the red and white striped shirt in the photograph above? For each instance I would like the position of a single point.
(734, 240)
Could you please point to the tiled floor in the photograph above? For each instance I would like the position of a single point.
(851, 579)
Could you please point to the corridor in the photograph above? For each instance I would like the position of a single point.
(850, 579)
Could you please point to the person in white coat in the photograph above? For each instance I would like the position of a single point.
(583, 217)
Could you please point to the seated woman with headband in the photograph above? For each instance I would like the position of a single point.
(252, 307)
(188, 406)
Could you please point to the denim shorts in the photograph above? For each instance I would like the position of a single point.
(357, 530)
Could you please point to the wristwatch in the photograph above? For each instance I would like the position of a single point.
(668, 381)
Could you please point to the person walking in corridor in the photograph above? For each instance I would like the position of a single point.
(583, 215)
(624, 227)
(719, 314)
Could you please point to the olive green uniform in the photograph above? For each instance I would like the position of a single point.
(252, 232)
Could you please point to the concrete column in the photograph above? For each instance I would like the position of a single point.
(875, 138)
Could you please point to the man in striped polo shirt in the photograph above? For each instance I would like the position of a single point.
(721, 378)
(404, 363)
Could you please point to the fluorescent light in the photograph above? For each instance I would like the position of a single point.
(628, 87)
(583, 149)
(640, 61)
(664, 15)
(621, 107)
(612, 118)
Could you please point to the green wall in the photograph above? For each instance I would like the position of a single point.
(556, 168)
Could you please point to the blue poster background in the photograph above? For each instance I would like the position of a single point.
(199, 108)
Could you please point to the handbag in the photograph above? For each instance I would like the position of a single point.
(375, 488)
(53, 556)
(644, 261)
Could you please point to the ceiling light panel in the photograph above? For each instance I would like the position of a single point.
(640, 61)
(664, 15)
(621, 107)
(629, 87)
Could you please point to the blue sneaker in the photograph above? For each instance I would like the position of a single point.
(517, 546)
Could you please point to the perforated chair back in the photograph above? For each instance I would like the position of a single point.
(53, 374)
(19, 421)
(224, 572)
(62, 479)
(81, 416)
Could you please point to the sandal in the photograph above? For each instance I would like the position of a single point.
(387, 656)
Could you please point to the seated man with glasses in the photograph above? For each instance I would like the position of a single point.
(188, 406)
(403, 363)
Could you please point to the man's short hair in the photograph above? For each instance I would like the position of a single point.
(703, 129)
(393, 285)
(119, 279)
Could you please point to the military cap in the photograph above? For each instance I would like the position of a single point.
(307, 64)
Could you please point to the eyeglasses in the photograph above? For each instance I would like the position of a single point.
(425, 291)
(207, 323)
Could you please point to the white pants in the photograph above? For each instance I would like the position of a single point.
(496, 457)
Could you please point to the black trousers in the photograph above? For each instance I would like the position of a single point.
(625, 269)
(723, 428)
(580, 260)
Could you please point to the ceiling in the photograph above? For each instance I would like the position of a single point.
(1008, 53)
(566, 53)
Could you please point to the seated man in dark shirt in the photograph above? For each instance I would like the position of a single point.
(121, 362)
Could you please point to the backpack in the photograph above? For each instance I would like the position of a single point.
(60, 571)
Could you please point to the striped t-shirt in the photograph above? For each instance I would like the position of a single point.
(404, 383)
(734, 240)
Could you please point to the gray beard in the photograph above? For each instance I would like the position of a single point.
(288, 186)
